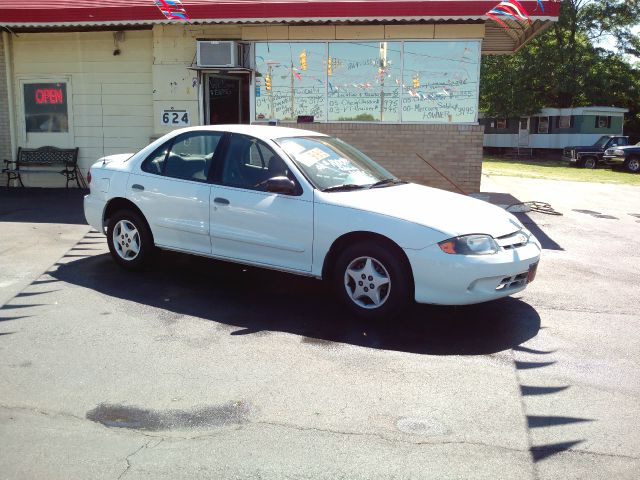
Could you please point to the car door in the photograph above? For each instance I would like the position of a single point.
(172, 191)
(251, 224)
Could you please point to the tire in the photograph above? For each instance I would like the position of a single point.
(129, 239)
(383, 268)
(590, 162)
(632, 165)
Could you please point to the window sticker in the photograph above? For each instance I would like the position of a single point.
(311, 157)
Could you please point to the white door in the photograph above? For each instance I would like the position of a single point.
(523, 133)
(253, 225)
(47, 117)
(172, 191)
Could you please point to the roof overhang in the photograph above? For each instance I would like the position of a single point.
(44, 15)
(65, 13)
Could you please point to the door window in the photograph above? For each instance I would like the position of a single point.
(189, 157)
(249, 162)
(45, 107)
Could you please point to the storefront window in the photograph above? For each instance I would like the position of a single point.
(440, 82)
(411, 81)
(364, 81)
(291, 80)
(45, 107)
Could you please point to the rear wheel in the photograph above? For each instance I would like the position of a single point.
(590, 162)
(632, 165)
(129, 239)
(372, 280)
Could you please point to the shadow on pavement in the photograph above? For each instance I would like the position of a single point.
(42, 205)
(254, 301)
(505, 200)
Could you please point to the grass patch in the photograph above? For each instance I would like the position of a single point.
(555, 170)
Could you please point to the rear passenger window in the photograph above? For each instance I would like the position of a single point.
(189, 157)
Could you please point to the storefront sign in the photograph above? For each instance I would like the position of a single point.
(49, 96)
(178, 118)
(45, 107)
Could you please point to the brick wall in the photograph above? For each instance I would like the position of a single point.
(455, 150)
(5, 137)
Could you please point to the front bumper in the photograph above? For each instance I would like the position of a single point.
(445, 279)
(568, 159)
(614, 160)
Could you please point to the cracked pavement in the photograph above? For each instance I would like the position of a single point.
(200, 369)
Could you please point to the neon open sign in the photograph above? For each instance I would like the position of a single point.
(49, 96)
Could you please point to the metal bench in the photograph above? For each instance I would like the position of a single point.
(28, 158)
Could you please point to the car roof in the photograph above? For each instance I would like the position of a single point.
(263, 132)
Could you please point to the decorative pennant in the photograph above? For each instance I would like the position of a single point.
(512, 10)
(172, 9)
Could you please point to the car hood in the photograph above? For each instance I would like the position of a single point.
(449, 213)
(584, 148)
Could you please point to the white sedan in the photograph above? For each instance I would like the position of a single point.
(308, 204)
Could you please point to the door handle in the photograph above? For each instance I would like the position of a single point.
(137, 187)
(221, 201)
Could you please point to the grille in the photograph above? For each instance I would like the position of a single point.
(513, 240)
(516, 281)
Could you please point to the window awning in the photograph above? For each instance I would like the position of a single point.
(28, 14)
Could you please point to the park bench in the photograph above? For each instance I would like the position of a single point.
(31, 160)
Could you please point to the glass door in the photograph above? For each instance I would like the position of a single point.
(226, 99)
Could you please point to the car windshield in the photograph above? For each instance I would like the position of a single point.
(601, 142)
(331, 164)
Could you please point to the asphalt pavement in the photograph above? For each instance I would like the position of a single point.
(200, 369)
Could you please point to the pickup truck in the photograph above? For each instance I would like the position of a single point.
(628, 156)
(591, 156)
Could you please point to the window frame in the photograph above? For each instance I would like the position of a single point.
(543, 131)
(607, 123)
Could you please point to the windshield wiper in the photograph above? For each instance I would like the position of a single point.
(343, 188)
(387, 182)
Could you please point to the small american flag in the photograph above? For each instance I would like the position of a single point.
(172, 9)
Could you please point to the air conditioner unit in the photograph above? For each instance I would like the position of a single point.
(218, 54)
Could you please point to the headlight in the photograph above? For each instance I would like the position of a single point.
(470, 245)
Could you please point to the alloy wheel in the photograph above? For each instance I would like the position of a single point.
(367, 282)
(126, 240)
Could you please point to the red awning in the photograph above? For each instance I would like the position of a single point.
(47, 13)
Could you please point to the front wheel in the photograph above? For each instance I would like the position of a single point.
(129, 239)
(632, 165)
(372, 280)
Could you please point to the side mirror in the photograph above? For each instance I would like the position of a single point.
(281, 184)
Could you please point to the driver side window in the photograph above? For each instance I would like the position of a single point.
(249, 163)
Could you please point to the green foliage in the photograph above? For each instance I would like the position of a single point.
(563, 68)
(363, 117)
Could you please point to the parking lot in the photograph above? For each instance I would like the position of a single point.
(200, 369)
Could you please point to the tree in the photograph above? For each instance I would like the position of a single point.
(564, 67)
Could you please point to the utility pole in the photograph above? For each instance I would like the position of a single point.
(270, 90)
(293, 102)
(382, 70)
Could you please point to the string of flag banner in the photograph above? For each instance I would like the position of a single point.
(440, 90)
(505, 10)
